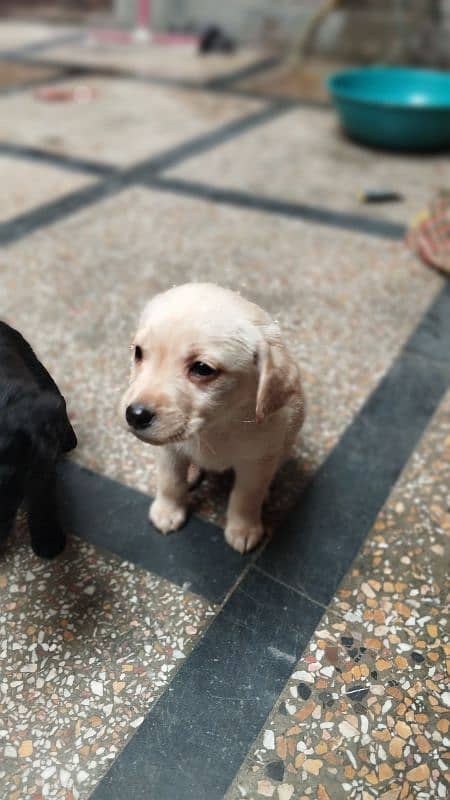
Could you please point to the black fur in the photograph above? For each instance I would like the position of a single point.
(34, 432)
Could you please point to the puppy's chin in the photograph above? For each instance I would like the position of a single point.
(175, 436)
(158, 440)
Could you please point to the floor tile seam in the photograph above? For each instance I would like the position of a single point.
(261, 65)
(310, 214)
(315, 626)
(64, 161)
(295, 589)
(129, 176)
(230, 618)
(117, 73)
(154, 166)
(429, 358)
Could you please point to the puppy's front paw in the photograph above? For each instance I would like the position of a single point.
(167, 516)
(48, 544)
(194, 477)
(242, 537)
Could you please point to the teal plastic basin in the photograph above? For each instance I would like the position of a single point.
(398, 108)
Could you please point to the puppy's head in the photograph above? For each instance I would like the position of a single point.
(203, 356)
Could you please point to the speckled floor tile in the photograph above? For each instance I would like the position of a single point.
(180, 61)
(348, 727)
(88, 643)
(346, 302)
(150, 119)
(26, 186)
(365, 714)
(302, 157)
(405, 562)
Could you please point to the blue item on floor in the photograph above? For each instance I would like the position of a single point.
(398, 108)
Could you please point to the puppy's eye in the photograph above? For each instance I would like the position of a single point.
(201, 370)
(138, 353)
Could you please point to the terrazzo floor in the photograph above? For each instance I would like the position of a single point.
(365, 712)
(88, 643)
(301, 150)
(157, 62)
(25, 187)
(149, 120)
(377, 287)
(115, 678)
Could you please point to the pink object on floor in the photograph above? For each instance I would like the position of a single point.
(126, 37)
(144, 14)
(174, 38)
(143, 31)
(111, 36)
(64, 94)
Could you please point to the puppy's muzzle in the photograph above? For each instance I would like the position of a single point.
(139, 417)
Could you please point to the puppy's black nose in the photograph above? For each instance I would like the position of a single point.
(138, 416)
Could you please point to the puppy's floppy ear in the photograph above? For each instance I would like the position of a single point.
(67, 434)
(279, 376)
(53, 422)
(47, 423)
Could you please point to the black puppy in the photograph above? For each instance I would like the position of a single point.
(34, 432)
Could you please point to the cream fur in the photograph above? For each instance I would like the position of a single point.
(245, 417)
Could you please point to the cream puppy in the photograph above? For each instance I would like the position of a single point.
(214, 386)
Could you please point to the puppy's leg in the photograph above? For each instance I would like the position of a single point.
(244, 526)
(6, 524)
(12, 495)
(169, 509)
(47, 536)
(194, 477)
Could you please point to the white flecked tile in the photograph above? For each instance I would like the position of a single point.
(124, 122)
(346, 302)
(88, 644)
(25, 186)
(302, 157)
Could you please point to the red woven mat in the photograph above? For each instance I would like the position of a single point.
(429, 235)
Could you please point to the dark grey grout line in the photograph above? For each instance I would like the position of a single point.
(147, 173)
(201, 144)
(216, 703)
(297, 589)
(114, 517)
(316, 215)
(221, 85)
(227, 687)
(248, 564)
(109, 72)
(431, 338)
(240, 74)
(25, 224)
(347, 492)
(71, 163)
(49, 213)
